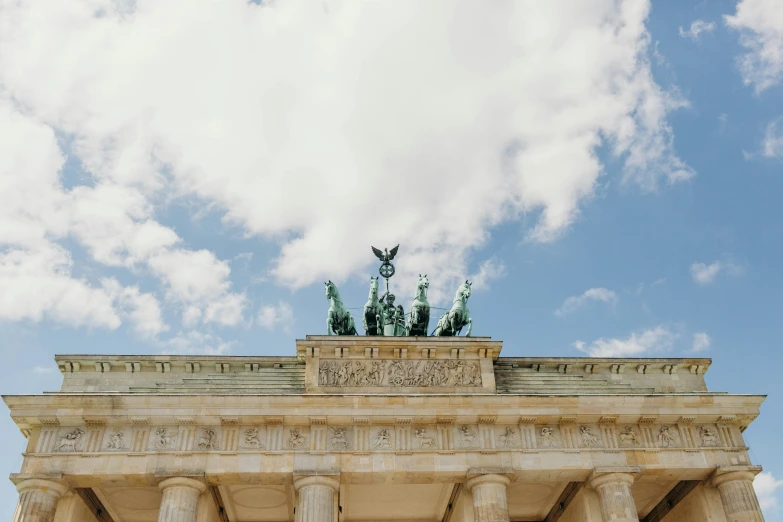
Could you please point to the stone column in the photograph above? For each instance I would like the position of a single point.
(735, 484)
(489, 497)
(614, 495)
(180, 499)
(316, 498)
(38, 500)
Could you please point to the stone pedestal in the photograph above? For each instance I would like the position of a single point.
(737, 494)
(614, 495)
(38, 500)
(316, 499)
(180, 499)
(489, 497)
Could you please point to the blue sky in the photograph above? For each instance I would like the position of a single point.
(609, 174)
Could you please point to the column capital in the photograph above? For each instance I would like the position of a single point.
(731, 473)
(57, 489)
(183, 482)
(487, 478)
(603, 476)
(316, 480)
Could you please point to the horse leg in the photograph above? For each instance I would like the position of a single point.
(470, 327)
(329, 322)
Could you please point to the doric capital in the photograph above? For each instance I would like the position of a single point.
(316, 480)
(57, 489)
(184, 482)
(726, 474)
(607, 476)
(489, 478)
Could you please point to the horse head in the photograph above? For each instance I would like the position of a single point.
(463, 292)
(373, 287)
(422, 286)
(331, 290)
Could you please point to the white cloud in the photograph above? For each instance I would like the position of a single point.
(42, 369)
(326, 130)
(576, 302)
(760, 23)
(766, 486)
(271, 317)
(115, 224)
(657, 339)
(37, 285)
(142, 309)
(701, 342)
(195, 342)
(773, 139)
(696, 29)
(489, 270)
(705, 274)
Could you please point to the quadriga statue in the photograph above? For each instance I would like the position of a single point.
(371, 315)
(338, 320)
(420, 309)
(452, 322)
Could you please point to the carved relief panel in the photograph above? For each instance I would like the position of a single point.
(117, 439)
(548, 437)
(399, 373)
(252, 438)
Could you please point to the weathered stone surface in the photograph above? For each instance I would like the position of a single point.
(739, 499)
(180, 499)
(38, 500)
(460, 430)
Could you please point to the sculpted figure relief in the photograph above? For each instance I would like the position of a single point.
(71, 441)
(338, 439)
(467, 437)
(399, 373)
(422, 438)
(208, 440)
(252, 440)
(296, 440)
(163, 440)
(548, 439)
(117, 442)
(508, 439)
(709, 437)
(665, 437)
(588, 439)
(382, 440)
(628, 437)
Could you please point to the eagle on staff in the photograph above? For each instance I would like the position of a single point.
(386, 255)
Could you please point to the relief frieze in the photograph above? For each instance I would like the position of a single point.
(400, 438)
(400, 373)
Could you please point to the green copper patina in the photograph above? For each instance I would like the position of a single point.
(371, 315)
(451, 323)
(381, 316)
(420, 310)
(338, 320)
(393, 317)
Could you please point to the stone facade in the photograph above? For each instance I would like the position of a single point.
(364, 429)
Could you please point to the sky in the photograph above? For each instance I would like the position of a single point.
(182, 176)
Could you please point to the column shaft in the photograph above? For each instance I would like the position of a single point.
(180, 499)
(316, 499)
(614, 495)
(738, 496)
(489, 498)
(38, 500)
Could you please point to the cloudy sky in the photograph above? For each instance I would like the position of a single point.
(181, 176)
